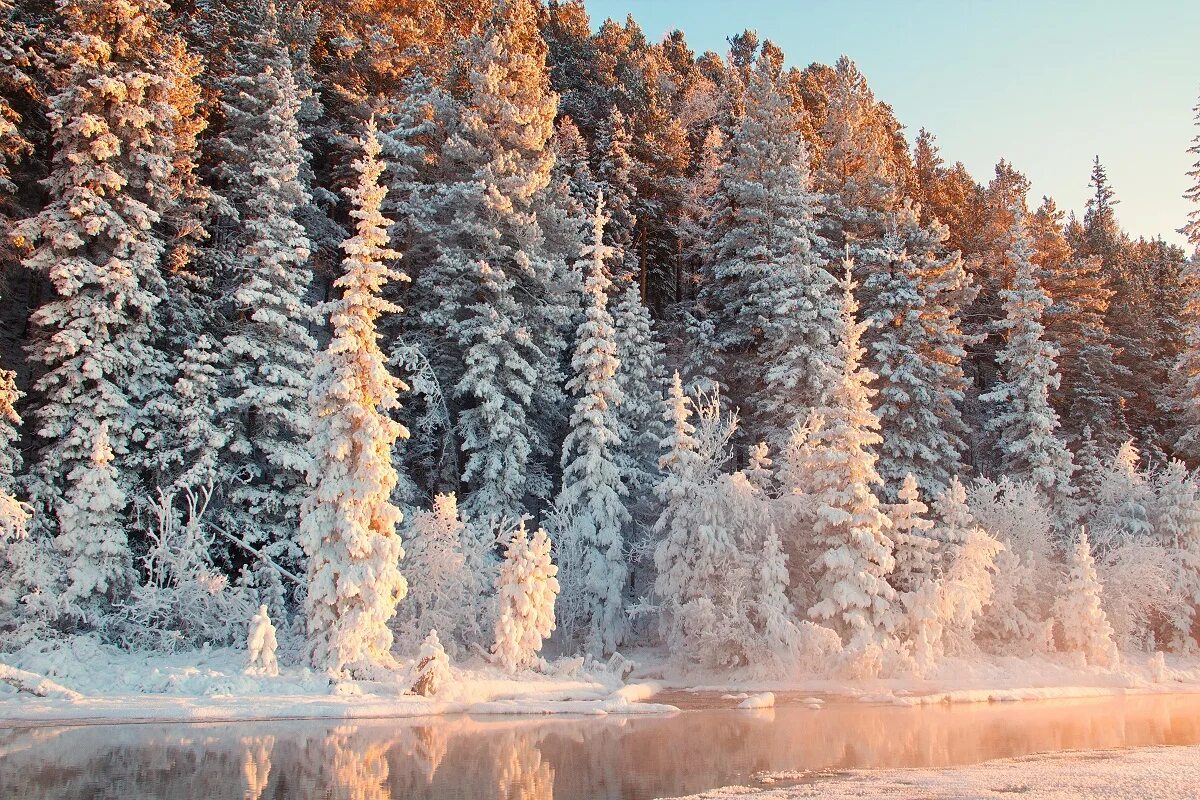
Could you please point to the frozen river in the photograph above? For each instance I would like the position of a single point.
(511, 758)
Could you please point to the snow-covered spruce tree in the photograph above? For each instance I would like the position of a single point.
(267, 351)
(614, 174)
(29, 574)
(14, 73)
(92, 535)
(101, 238)
(433, 667)
(1089, 462)
(797, 508)
(677, 551)
(526, 588)
(852, 592)
(14, 515)
(592, 498)
(1091, 393)
(1079, 610)
(916, 347)
(780, 641)
(1026, 426)
(953, 521)
(1123, 499)
(1176, 519)
(452, 591)
(1185, 378)
(640, 378)
(496, 309)
(187, 457)
(917, 558)
(769, 298)
(348, 522)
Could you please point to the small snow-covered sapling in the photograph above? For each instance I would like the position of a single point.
(433, 667)
(261, 645)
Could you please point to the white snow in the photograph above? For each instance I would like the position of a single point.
(764, 700)
(1155, 772)
(91, 681)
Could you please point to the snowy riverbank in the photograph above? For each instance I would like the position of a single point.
(1164, 773)
(211, 685)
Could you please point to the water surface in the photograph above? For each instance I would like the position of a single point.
(508, 758)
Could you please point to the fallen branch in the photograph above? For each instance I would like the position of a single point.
(265, 558)
(35, 684)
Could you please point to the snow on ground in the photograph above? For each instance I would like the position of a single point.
(210, 685)
(1163, 773)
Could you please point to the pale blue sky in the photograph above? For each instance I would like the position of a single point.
(1047, 84)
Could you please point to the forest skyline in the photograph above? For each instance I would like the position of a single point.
(1049, 114)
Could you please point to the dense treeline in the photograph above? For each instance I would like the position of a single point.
(274, 271)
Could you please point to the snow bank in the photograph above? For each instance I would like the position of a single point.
(84, 680)
(1160, 772)
(764, 700)
(35, 684)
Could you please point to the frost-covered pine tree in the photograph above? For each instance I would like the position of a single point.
(1123, 501)
(101, 238)
(13, 515)
(592, 499)
(14, 145)
(1090, 464)
(267, 352)
(953, 521)
(92, 535)
(1185, 378)
(1026, 426)
(24, 566)
(348, 522)
(852, 592)
(1080, 612)
(676, 552)
(769, 297)
(916, 550)
(188, 453)
(774, 614)
(10, 425)
(433, 667)
(641, 380)
(451, 594)
(614, 173)
(526, 587)
(496, 297)
(916, 349)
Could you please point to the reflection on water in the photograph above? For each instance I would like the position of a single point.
(614, 758)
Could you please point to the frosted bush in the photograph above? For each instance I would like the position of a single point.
(183, 600)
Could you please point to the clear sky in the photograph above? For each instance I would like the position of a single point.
(1047, 84)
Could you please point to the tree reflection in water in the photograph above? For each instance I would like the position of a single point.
(615, 758)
